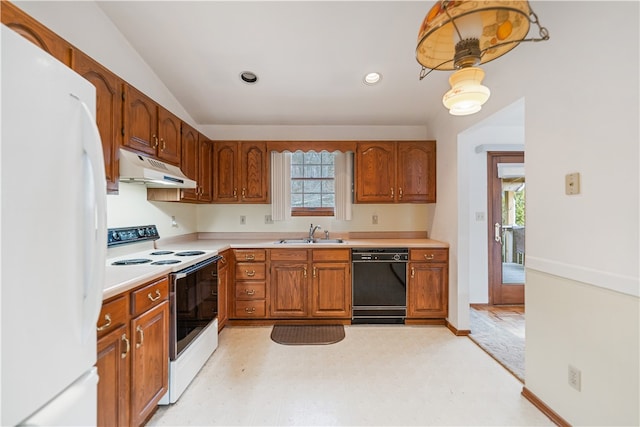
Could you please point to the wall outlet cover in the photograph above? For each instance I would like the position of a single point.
(572, 183)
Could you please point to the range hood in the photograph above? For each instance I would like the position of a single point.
(138, 168)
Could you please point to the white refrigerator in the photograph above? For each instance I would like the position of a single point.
(52, 239)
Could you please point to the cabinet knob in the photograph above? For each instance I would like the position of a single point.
(250, 273)
(141, 335)
(413, 272)
(250, 291)
(400, 192)
(156, 298)
(429, 256)
(392, 193)
(249, 257)
(250, 310)
(155, 141)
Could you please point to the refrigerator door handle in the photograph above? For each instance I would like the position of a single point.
(95, 221)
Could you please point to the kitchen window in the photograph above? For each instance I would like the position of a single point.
(313, 184)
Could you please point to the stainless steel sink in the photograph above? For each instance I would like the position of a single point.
(294, 241)
(328, 241)
(305, 241)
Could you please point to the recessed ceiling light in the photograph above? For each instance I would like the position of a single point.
(248, 77)
(372, 78)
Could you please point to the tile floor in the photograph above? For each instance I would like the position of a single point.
(378, 375)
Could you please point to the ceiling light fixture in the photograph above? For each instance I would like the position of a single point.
(249, 77)
(460, 35)
(372, 78)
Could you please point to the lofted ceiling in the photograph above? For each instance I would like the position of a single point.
(310, 58)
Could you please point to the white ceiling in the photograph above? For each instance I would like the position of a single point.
(310, 57)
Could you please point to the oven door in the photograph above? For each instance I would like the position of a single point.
(194, 303)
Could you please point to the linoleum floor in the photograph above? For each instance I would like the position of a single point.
(378, 375)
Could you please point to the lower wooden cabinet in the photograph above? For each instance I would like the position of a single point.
(428, 284)
(223, 288)
(331, 283)
(310, 283)
(133, 354)
(250, 272)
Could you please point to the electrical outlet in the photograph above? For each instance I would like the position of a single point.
(479, 216)
(374, 219)
(574, 377)
(243, 219)
(173, 221)
(572, 183)
(268, 219)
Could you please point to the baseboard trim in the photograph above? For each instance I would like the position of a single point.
(553, 415)
(457, 332)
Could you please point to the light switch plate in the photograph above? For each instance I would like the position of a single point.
(572, 183)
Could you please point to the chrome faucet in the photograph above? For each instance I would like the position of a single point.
(312, 230)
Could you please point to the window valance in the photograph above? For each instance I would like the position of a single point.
(317, 146)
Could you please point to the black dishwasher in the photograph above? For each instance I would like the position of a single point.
(379, 285)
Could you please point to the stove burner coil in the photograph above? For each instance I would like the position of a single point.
(132, 261)
(190, 253)
(161, 253)
(166, 261)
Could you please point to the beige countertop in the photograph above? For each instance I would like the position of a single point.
(119, 279)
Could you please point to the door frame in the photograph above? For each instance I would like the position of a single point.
(499, 293)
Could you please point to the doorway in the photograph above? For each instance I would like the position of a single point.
(506, 227)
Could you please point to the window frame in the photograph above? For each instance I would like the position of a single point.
(314, 211)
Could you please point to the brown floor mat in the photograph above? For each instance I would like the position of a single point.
(307, 334)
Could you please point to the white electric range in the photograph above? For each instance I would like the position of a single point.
(193, 298)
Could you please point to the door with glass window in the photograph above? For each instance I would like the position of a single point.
(506, 213)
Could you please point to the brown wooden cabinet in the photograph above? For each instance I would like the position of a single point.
(289, 283)
(331, 283)
(108, 111)
(428, 284)
(395, 172)
(196, 163)
(149, 128)
(310, 283)
(23, 24)
(250, 289)
(241, 172)
(133, 354)
(223, 288)
(113, 361)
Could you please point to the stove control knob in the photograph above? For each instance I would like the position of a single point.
(115, 235)
(141, 232)
(396, 257)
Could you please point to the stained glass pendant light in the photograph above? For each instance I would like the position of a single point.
(460, 35)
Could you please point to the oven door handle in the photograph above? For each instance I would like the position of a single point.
(183, 273)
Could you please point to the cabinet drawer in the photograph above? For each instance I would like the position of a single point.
(331, 254)
(435, 255)
(149, 295)
(255, 308)
(250, 290)
(113, 315)
(250, 271)
(289, 255)
(248, 255)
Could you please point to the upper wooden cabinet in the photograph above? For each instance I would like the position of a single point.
(35, 32)
(196, 164)
(395, 172)
(108, 111)
(241, 172)
(149, 127)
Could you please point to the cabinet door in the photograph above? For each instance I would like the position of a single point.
(416, 178)
(254, 173)
(288, 286)
(35, 32)
(108, 111)
(225, 167)
(139, 121)
(223, 290)
(427, 293)
(189, 161)
(150, 361)
(168, 136)
(204, 169)
(113, 370)
(331, 290)
(375, 172)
